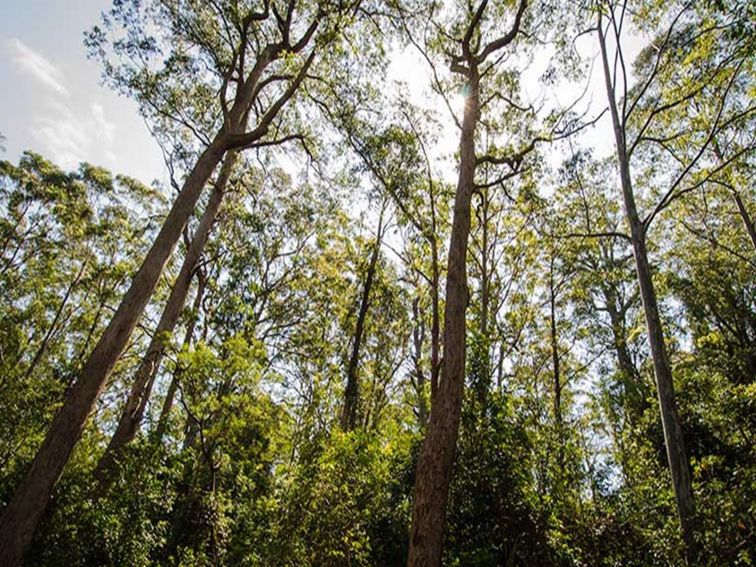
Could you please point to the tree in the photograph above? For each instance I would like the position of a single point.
(245, 57)
(144, 377)
(644, 108)
(435, 465)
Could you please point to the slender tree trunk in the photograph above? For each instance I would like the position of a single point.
(435, 315)
(554, 339)
(43, 345)
(22, 515)
(436, 461)
(484, 378)
(165, 411)
(352, 392)
(418, 338)
(676, 455)
(624, 360)
(746, 218)
(634, 389)
(556, 368)
(133, 411)
(742, 209)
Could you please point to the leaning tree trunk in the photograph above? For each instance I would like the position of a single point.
(434, 467)
(748, 223)
(133, 412)
(673, 438)
(165, 411)
(28, 504)
(352, 392)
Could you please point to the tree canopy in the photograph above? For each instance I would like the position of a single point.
(427, 283)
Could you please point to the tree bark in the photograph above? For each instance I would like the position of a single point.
(676, 455)
(133, 411)
(436, 461)
(22, 515)
(352, 393)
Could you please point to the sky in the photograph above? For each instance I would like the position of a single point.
(51, 100)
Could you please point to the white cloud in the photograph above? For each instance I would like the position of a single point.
(70, 136)
(61, 134)
(106, 128)
(37, 65)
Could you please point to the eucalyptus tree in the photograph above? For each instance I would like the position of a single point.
(69, 240)
(397, 157)
(144, 377)
(667, 84)
(606, 298)
(349, 414)
(485, 46)
(239, 65)
(391, 139)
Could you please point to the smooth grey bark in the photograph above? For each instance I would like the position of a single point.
(20, 518)
(144, 377)
(673, 437)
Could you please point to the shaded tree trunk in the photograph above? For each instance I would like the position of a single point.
(436, 461)
(133, 411)
(633, 387)
(418, 337)
(745, 217)
(484, 363)
(554, 339)
(673, 438)
(165, 411)
(22, 515)
(352, 393)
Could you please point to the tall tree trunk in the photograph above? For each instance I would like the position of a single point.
(352, 392)
(133, 411)
(22, 515)
(418, 338)
(51, 331)
(434, 467)
(165, 411)
(634, 389)
(554, 339)
(556, 367)
(484, 370)
(676, 455)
